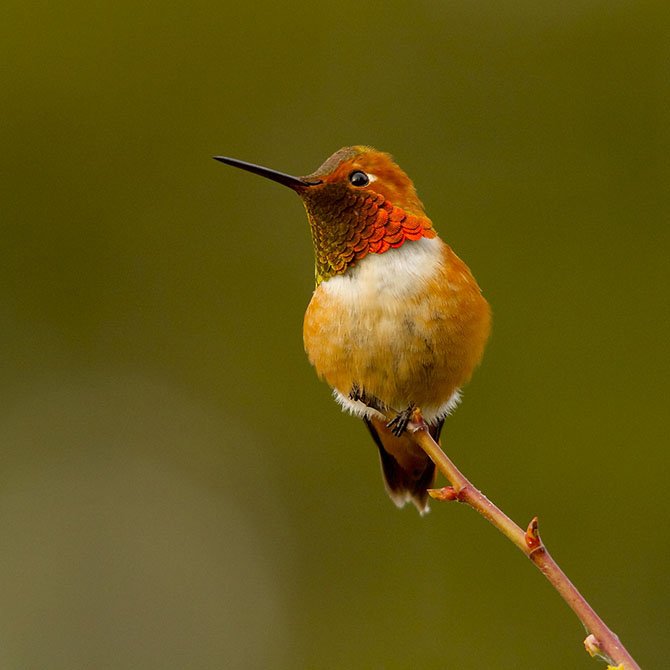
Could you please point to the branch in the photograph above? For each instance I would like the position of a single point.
(601, 641)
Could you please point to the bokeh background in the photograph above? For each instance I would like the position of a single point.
(177, 489)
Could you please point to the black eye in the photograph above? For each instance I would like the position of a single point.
(358, 178)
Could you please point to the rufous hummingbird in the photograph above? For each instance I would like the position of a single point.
(397, 322)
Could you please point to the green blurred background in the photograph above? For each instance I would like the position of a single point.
(177, 488)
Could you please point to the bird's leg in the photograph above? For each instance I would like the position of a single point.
(357, 393)
(400, 421)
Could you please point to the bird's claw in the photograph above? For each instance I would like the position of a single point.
(398, 424)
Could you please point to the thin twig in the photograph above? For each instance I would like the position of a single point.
(601, 641)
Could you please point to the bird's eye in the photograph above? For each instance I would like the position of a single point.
(358, 178)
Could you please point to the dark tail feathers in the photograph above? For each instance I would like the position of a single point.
(408, 472)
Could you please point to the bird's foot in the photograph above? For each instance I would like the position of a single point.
(398, 424)
(357, 393)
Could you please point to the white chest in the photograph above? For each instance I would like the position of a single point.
(386, 280)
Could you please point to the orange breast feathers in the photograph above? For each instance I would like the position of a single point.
(407, 326)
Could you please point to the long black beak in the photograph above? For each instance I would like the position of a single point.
(296, 183)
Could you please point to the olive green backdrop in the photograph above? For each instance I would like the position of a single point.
(177, 489)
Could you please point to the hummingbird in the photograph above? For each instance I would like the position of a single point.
(397, 322)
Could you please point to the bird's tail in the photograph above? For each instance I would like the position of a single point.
(408, 472)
